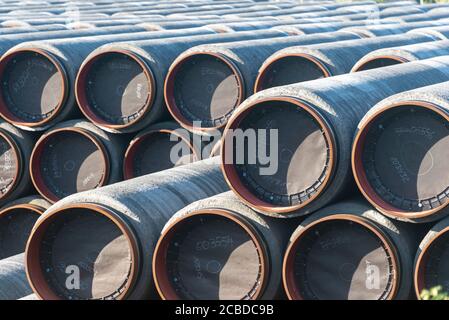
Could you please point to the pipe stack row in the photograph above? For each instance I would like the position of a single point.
(129, 133)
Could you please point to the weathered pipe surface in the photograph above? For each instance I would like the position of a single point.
(159, 147)
(429, 16)
(311, 165)
(245, 263)
(280, 12)
(47, 27)
(349, 251)
(305, 63)
(13, 279)
(15, 152)
(75, 156)
(370, 31)
(410, 132)
(311, 28)
(148, 63)
(400, 11)
(402, 54)
(343, 14)
(431, 261)
(114, 230)
(440, 32)
(264, 24)
(16, 221)
(188, 23)
(48, 96)
(211, 98)
(255, 9)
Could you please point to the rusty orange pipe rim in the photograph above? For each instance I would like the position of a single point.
(264, 70)
(130, 153)
(34, 271)
(359, 172)
(35, 160)
(160, 275)
(362, 62)
(83, 101)
(288, 274)
(18, 158)
(421, 264)
(230, 172)
(169, 88)
(4, 110)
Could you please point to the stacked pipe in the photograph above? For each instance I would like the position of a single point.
(321, 145)
(95, 93)
(210, 99)
(304, 63)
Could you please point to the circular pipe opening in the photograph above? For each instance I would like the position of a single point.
(399, 159)
(432, 264)
(34, 87)
(85, 242)
(152, 152)
(115, 89)
(377, 62)
(16, 223)
(205, 88)
(11, 164)
(211, 254)
(300, 166)
(288, 69)
(66, 161)
(341, 257)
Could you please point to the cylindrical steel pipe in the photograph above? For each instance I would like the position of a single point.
(16, 221)
(431, 261)
(395, 55)
(399, 155)
(39, 77)
(47, 27)
(13, 281)
(311, 28)
(148, 63)
(15, 152)
(220, 249)
(349, 251)
(370, 31)
(310, 165)
(159, 147)
(110, 233)
(206, 83)
(75, 156)
(305, 63)
(440, 32)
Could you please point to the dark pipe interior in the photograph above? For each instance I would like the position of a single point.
(92, 243)
(405, 158)
(289, 70)
(206, 89)
(378, 63)
(300, 163)
(211, 257)
(71, 163)
(117, 88)
(435, 271)
(341, 260)
(15, 228)
(153, 154)
(32, 87)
